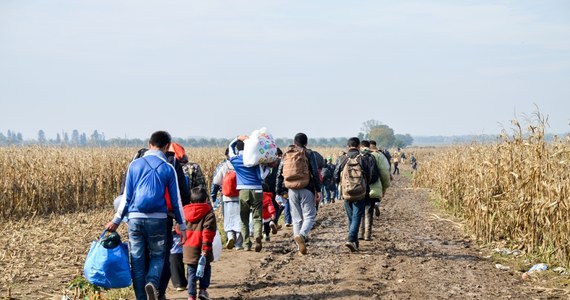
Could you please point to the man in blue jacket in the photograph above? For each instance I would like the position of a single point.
(249, 184)
(145, 206)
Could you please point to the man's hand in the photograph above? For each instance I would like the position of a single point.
(182, 237)
(204, 252)
(318, 197)
(111, 227)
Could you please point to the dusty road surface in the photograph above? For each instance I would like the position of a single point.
(414, 254)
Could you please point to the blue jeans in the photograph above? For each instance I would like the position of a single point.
(354, 211)
(204, 281)
(166, 274)
(147, 239)
(287, 212)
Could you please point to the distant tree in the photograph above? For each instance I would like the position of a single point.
(42, 137)
(383, 135)
(58, 139)
(83, 139)
(95, 138)
(367, 128)
(19, 139)
(403, 140)
(75, 137)
(3, 139)
(65, 138)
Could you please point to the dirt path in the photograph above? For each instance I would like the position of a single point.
(414, 255)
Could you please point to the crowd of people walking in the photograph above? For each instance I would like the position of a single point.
(170, 214)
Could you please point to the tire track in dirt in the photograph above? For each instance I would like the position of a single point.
(414, 255)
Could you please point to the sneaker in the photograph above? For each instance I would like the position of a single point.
(279, 226)
(238, 248)
(203, 295)
(301, 244)
(368, 239)
(376, 211)
(352, 246)
(267, 239)
(180, 289)
(230, 244)
(248, 248)
(151, 292)
(258, 244)
(288, 225)
(273, 227)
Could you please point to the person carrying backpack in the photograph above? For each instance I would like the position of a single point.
(225, 178)
(353, 175)
(144, 203)
(298, 172)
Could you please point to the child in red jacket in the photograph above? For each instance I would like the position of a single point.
(200, 233)
(268, 213)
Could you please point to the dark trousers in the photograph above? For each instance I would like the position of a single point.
(192, 279)
(178, 274)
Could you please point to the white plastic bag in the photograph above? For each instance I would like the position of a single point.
(259, 148)
(217, 246)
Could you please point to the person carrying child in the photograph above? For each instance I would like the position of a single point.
(201, 230)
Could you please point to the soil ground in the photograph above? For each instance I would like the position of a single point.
(416, 253)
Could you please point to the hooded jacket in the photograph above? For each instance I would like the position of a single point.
(200, 232)
(147, 179)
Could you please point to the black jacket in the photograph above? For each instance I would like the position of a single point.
(315, 182)
(364, 164)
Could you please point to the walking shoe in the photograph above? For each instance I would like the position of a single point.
(279, 226)
(151, 292)
(230, 244)
(203, 295)
(377, 211)
(300, 240)
(352, 246)
(367, 238)
(258, 244)
(248, 247)
(273, 227)
(238, 248)
(267, 239)
(180, 289)
(288, 225)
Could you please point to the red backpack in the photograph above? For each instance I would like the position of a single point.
(229, 184)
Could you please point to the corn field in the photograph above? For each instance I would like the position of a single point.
(516, 191)
(45, 180)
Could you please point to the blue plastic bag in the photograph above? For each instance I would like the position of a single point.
(108, 268)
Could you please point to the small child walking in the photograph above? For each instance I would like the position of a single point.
(201, 230)
(268, 213)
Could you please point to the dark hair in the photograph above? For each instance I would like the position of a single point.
(365, 143)
(279, 151)
(160, 139)
(198, 195)
(353, 142)
(239, 145)
(227, 152)
(373, 142)
(301, 139)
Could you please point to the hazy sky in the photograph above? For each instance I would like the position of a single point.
(221, 68)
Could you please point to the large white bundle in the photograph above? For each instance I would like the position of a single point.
(259, 148)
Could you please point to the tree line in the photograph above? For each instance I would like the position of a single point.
(383, 134)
